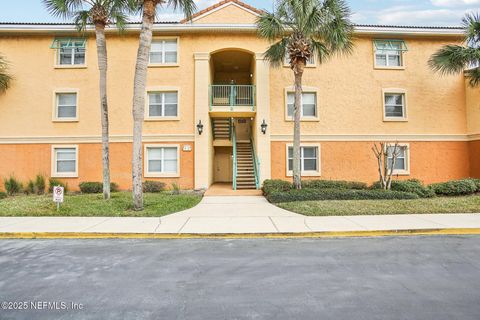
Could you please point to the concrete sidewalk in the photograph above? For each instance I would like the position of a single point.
(237, 215)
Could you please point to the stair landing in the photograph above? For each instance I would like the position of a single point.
(225, 189)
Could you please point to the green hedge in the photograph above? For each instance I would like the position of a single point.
(412, 186)
(455, 187)
(153, 186)
(52, 182)
(334, 184)
(96, 187)
(337, 194)
(270, 186)
(3, 195)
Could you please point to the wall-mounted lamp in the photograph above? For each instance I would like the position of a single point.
(200, 127)
(264, 126)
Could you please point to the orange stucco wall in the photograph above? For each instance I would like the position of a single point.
(25, 161)
(475, 158)
(429, 161)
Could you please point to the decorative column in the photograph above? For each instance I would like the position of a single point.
(203, 142)
(262, 76)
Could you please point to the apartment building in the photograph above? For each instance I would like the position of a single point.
(216, 111)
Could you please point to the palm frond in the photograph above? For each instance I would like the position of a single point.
(82, 19)
(275, 54)
(452, 59)
(188, 7)
(471, 24)
(337, 29)
(5, 77)
(320, 51)
(474, 77)
(63, 8)
(269, 26)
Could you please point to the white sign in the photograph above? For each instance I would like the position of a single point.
(187, 148)
(58, 194)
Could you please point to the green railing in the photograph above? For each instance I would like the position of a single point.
(234, 143)
(256, 164)
(231, 95)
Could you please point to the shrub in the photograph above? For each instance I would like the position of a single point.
(455, 187)
(338, 194)
(477, 183)
(52, 182)
(91, 187)
(153, 186)
(175, 188)
(114, 187)
(411, 185)
(3, 195)
(30, 188)
(40, 185)
(12, 186)
(270, 186)
(334, 184)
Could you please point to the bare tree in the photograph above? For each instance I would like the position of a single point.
(383, 151)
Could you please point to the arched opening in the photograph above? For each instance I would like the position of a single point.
(232, 66)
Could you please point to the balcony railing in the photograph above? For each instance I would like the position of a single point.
(232, 96)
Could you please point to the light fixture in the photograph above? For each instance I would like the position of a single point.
(264, 126)
(200, 127)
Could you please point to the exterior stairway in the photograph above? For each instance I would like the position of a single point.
(221, 128)
(245, 170)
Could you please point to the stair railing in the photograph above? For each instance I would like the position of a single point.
(256, 164)
(234, 143)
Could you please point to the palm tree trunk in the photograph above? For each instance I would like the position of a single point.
(298, 70)
(138, 108)
(102, 66)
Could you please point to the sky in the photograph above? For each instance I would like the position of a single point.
(389, 12)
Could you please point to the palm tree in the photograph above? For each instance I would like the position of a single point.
(5, 77)
(301, 29)
(149, 11)
(454, 59)
(100, 13)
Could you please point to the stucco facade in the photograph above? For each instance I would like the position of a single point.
(441, 123)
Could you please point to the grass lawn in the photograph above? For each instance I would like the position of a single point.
(156, 205)
(467, 204)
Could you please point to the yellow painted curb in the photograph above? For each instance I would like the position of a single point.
(341, 234)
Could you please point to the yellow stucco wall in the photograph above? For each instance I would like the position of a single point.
(473, 108)
(228, 14)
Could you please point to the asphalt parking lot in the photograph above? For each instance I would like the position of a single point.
(436, 277)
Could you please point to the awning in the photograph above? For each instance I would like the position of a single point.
(390, 45)
(68, 43)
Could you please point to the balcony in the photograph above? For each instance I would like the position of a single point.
(232, 100)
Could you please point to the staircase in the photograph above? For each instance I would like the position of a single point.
(245, 169)
(222, 128)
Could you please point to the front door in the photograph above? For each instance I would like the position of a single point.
(223, 164)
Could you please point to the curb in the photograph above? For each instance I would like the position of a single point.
(300, 235)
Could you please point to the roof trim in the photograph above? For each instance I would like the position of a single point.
(220, 5)
(57, 29)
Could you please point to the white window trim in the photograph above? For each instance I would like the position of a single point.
(162, 65)
(375, 66)
(405, 105)
(305, 89)
(55, 117)
(317, 173)
(161, 89)
(405, 172)
(54, 172)
(149, 174)
(57, 65)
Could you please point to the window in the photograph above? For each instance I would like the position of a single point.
(70, 51)
(162, 161)
(162, 104)
(309, 104)
(401, 163)
(394, 105)
(66, 106)
(65, 161)
(163, 51)
(310, 61)
(309, 159)
(389, 53)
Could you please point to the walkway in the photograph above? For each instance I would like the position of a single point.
(237, 215)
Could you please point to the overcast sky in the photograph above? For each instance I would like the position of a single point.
(397, 12)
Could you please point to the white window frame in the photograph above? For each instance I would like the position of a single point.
(376, 66)
(165, 64)
(54, 172)
(304, 173)
(406, 171)
(403, 92)
(57, 64)
(56, 92)
(149, 174)
(160, 89)
(305, 89)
